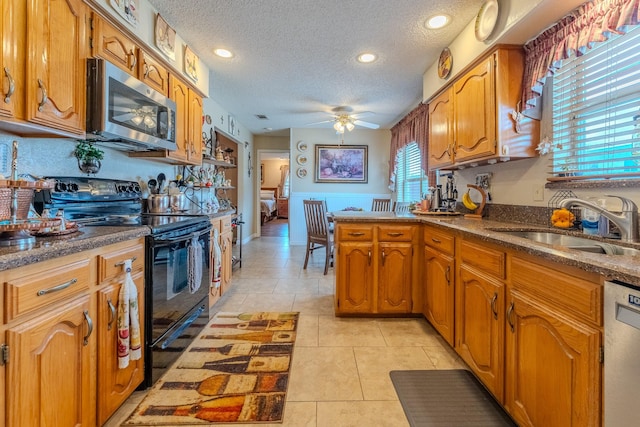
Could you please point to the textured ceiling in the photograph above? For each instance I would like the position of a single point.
(295, 60)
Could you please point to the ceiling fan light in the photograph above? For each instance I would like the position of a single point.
(437, 21)
(137, 120)
(148, 121)
(339, 127)
(350, 126)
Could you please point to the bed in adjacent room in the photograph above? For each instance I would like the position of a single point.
(268, 205)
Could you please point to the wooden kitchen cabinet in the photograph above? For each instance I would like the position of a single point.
(226, 246)
(375, 268)
(115, 385)
(194, 129)
(153, 73)
(42, 59)
(60, 334)
(480, 312)
(470, 123)
(553, 346)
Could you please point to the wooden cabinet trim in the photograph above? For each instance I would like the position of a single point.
(484, 258)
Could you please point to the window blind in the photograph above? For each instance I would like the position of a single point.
(410, 179)
(596, 112)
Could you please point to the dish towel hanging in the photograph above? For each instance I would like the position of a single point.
(217, 260)
(194, 265)
(129, 347)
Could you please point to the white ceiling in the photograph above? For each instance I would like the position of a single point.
(295, 60)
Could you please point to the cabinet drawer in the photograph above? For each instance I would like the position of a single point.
(483, 258)
(355, 233)
(225, 224)
(569, 289)
(36, 291)
(396, 233)
(111, 264)
(440, 240)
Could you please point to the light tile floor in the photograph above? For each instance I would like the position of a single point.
(340, 370)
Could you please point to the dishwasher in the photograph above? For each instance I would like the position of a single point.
(622, 354)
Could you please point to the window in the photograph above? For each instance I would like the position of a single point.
(596, 112)
(411, 182)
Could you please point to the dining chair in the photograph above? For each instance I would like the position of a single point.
(381, 205)
(318, 234)
(401, 207)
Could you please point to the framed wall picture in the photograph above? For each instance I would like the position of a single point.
(165, 38)
(190, 64)
(341, 163)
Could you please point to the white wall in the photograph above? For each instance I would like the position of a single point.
(338, 196)
(271, 171)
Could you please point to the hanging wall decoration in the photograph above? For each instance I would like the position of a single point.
(165, 38)
(190, 64)
(126, 9)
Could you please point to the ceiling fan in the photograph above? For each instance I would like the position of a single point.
(344, 120)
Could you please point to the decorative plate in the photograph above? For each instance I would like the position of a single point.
(302, 146)
(301, 159)
(301, 172)
(444, 63)
(486, 19)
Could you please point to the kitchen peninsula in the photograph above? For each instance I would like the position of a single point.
(494, 297)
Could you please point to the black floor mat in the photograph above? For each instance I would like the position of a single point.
(447, 398)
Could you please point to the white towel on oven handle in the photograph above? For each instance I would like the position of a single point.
(194, 265)
(217, 259)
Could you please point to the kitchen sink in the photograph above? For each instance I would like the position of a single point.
(573, 242)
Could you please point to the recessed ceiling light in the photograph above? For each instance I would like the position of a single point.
(223, 53)
(437, 21)
(367, 57)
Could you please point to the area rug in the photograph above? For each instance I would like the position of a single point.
(235, 371)
(445, 398)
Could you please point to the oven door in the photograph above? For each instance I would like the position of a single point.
(175, 284)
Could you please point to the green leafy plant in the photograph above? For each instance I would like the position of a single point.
(85, 150)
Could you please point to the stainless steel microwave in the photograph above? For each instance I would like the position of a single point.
(125, 113)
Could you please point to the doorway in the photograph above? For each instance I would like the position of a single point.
(273, 197)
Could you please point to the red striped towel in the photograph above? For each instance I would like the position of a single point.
(129, 347)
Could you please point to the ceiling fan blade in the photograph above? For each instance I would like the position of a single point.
(318, 123)
(366, 124)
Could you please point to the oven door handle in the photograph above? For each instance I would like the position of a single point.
(178, 332)
(182, 238)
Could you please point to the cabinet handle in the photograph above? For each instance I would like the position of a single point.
(383, 256)
(356, 234)
(369, 256)
(147, 69)
(12, 86)
(65, 285)
(493, 306)
(447, 275)
(395, 234)
(112, 318)
(134, 61)
(45, 97)
(509, 313)
(434, 240)
(87, 318)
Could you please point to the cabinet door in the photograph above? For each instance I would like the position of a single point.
(441, 141)
(179, 93)
(195, 129)
(56, 64)
(439, 292)
(109, 43)
(354, 278)
(12, 34)
(226, 244)
(41, 349)
(153, 73)
(115, 385)
(395, 261)
(553, 369)
(475, 113)
(480, 318)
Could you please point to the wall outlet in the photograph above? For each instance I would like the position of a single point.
(538, 193)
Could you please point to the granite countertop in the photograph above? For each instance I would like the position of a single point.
(625, 268)
(84, 239)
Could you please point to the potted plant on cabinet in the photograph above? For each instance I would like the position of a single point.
(88, 157)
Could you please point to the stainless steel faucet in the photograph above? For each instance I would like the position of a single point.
(627, 221)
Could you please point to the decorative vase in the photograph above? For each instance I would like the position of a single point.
(89, 166)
